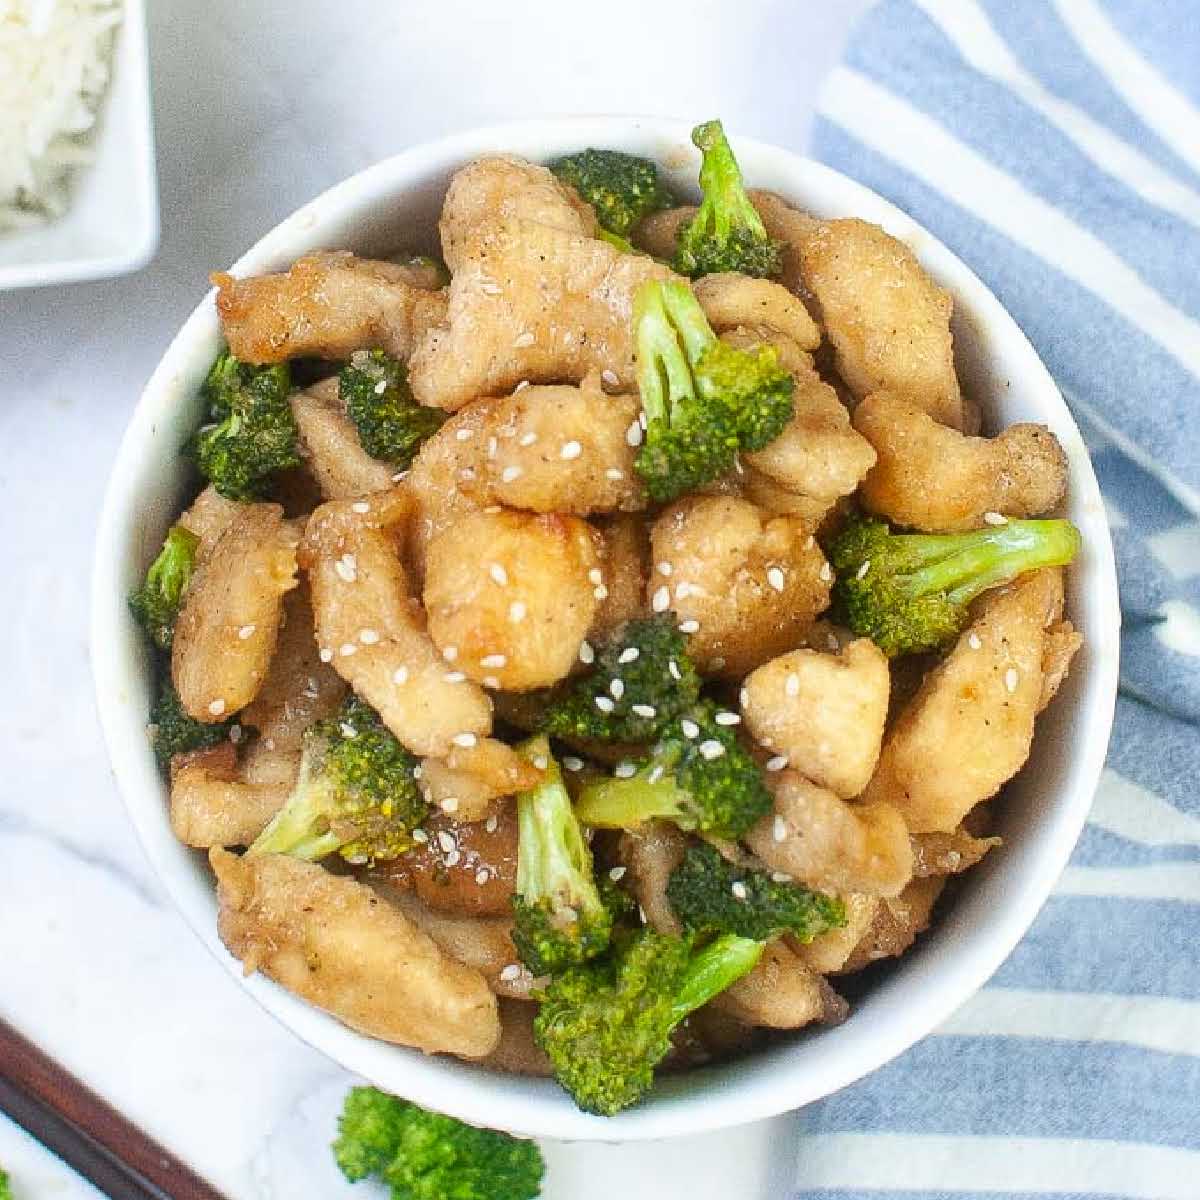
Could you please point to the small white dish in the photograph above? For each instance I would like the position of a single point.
(111, 226)
(395, 204)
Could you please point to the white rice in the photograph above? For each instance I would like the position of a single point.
(55, 60)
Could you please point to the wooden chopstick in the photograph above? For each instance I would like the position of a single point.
(86, 1132)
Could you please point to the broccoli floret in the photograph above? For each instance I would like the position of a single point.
(703, 400)
(621, 188)
(560, 919)
(156, 603)
(641, 679)
(727, 234)
(173, 732)
(697, 775)
(711, 894)
(356, 793)
(422, 1155)
(606, 1025)
(391, 424)
(252, 433)
(910, 592)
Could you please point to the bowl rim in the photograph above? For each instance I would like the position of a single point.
(720, 1096)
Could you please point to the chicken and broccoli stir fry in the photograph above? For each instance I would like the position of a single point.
(583, 654)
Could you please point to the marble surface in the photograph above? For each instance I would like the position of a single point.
(255, 115)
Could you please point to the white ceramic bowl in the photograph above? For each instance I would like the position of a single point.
(394, 204)
(111, 226)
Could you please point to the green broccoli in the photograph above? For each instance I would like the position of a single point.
(606, 1025)
(391, 424)
(621, 188)
(727, 234)
(642, 678)
(911, 592)
(173, 732)
(697, 775)
(710, 894)
(5, 1188)
(704, 401)
(560, 919)
(423, 1155)
(252, 433)
(356, 793)
(155, 604)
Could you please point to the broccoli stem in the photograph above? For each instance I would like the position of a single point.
(291, 830)
(721, 181)
(624, 803)
(714, 968)
(664, 376)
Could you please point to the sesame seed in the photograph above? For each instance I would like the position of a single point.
(527, 439)
(792, 685)
(738, 888)
(493, 445)
(489, 287)
(449, 805)
(517, 611)
(217, 707)
(418, 771)
(826, 572)
(522, 340)
(600, 593)
(246, 631)
(449, 653)
(628, 655)
(325, 654)
(609, 377)
(809, 542)
(617, 687)
(673, 667)
(368, 637)
(604, 704)
(420, 837)
(777, 763)
(493, 509)
(690, 728)
(446, 841)
(595, 575)
(510, 973)
(453, 858)
(633, 435)
(643, 420)
(691, 626)
(467, 473)
(779, 829)
(466, 739)
(347, 649)
(400, 676)
(572, 763)
(521, 386)
(490, 681)
(775, 578)
(347, 568)
(381, 387)
(656, 773)
(744, 697)
(616, 874)
(571, 449)
(644, 710)
(614, 473)
(780, 877)
(995, 518)
(665, 568)
(493, 660)
(400, 477)
(510, 473)
(348, 731)
(541, 762)
(464, 435)
(711, 749)
(728, 718)
(625, 770)
(482, 876)
(360, 506)
(492, 823)
(235, 736)
(587, 655)
(974, 640)
(454, 677)
(661, 599)
(682, 589)
(861, 573)
(1010, 680)
(499, 574)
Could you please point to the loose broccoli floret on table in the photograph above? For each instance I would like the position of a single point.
(391, 425)
(251, 434)
(709, 893)
(356, 793)
(173, 732)
(156, 603)
(560, 918)
(607, 1025)
(727, 234)
(621, 188)
(422, 1155)
(911, 592)
(704, 401)
(697, 775)
(642, 678)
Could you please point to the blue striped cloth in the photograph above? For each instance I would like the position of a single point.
(1055, 146)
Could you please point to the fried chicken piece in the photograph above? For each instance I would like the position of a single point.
(828, 952)
(969, 727)
(933, 478)
(781, 992)
(625, 561)
(896, 923)
(949, 853)
(731, 300)
(333, 942)
(470, 778)
(227, 628)
(649, 854)
(330, 447)
(208, 517)
(211, 805)
(747, 585)
(823, 712)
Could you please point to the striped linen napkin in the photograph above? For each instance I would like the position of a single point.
(1055, 146)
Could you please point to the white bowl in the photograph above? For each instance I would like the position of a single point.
(111, 226)
(395, 204)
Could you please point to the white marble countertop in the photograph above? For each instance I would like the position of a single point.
(253, 118)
